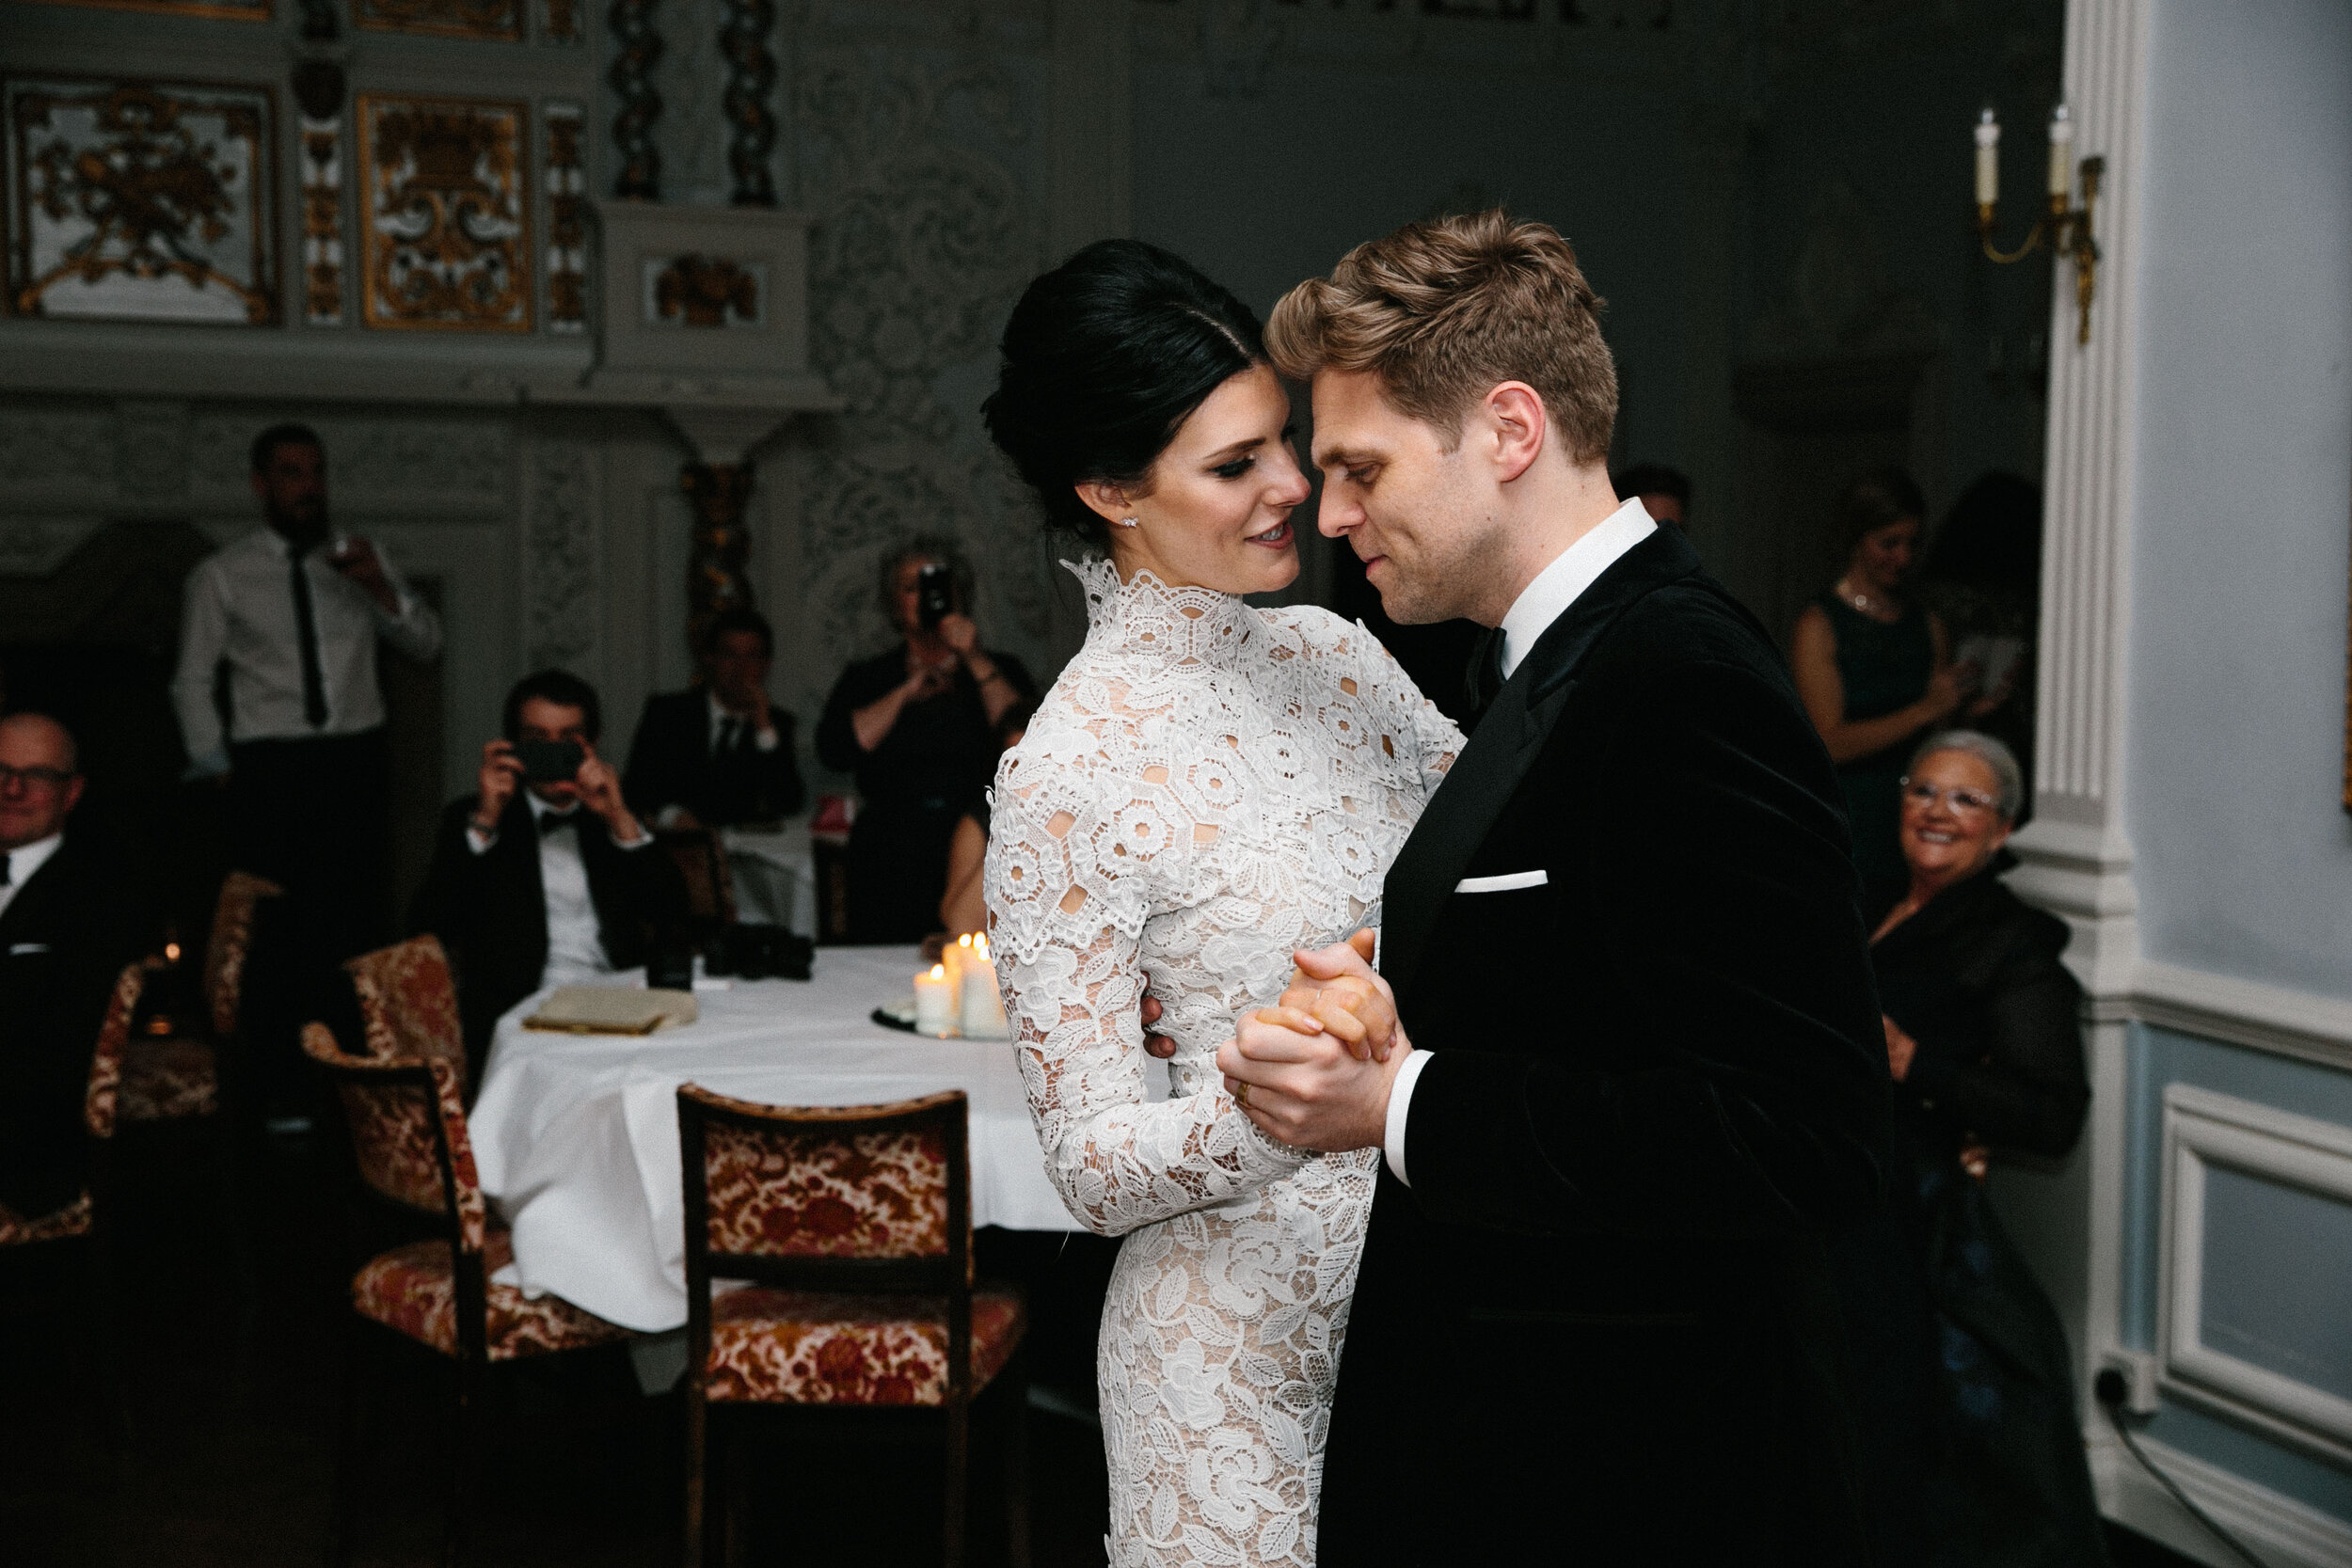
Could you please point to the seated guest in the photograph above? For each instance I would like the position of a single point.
(66, 931)
(546, 880)
(916, 725)
(722, 753)
(960, 909)
(1967, 1378)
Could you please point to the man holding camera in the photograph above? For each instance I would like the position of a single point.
(544, 877)
(916, 726)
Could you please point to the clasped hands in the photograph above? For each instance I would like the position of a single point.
(1314, 1069)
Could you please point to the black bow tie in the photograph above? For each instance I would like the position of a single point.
(556, 821)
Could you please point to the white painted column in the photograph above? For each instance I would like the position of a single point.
(2077, 856)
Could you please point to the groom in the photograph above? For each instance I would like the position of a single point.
(1645, 1073)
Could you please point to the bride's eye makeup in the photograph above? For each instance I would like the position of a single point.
(1234, 470)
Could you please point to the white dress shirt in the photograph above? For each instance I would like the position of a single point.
(22, 861)
(575, 940)
(720, 718)
(1539, 604)
(240, 608)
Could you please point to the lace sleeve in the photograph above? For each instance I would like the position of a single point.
(1068, 884)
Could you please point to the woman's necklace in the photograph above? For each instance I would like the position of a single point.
(1876, 609)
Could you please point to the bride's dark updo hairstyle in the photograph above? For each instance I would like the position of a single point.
(1103, 358)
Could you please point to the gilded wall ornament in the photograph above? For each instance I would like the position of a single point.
(445, 215)
(636, 50)
(319, 93)
(567, 218)
(750, 77)
(704, 291)
(142, 202)
(559, 20)
(449, 19)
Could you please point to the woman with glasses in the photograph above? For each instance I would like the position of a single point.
(1965, 1353)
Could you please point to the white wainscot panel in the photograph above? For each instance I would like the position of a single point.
(2256, 1251)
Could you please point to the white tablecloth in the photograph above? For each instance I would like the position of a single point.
(775, 875)
(576, 1136)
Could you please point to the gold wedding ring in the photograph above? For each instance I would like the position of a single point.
(1241, 1094)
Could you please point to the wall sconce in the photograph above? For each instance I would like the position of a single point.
(2065, 229)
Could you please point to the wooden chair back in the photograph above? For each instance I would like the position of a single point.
(408, 1141)
(700, 860)
(229, 945)
(408, 1003)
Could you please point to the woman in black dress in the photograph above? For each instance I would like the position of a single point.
(917, 727)
(1874, 667)
(1967, 1380)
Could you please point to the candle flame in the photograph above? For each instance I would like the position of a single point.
(965, 940)
(171, 951)
(939, 971)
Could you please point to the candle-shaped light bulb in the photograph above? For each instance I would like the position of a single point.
(1987, 159)
(2061, 157)
(935, 1003)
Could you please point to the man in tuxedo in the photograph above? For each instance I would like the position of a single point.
(1637, 1070)
(720, 753)
(68, 924)
(543, 880)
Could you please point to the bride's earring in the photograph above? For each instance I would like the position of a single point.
(1127, 522)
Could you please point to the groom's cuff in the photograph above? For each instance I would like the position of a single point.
(1400, 1103)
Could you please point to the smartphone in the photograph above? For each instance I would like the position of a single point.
(934, 592)
(549, 761)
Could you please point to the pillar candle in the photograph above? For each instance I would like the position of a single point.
(2061, 156)
(981, 1010)
(1987, 159)
(934, 1002)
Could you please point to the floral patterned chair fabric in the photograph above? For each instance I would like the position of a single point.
(854, 1224)
(413, 1291)
(230, 945)
(99, 1107)
(408, 1138)
(408, 1003)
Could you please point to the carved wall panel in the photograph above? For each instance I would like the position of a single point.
(562, 560)
(567, 218)
(559, 20)
(455, 18)
(142, 202)
(923, 177)
(218, 10)
(323, 220)
(445, 215)
(705, 291)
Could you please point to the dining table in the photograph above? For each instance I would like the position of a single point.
(575, 1137)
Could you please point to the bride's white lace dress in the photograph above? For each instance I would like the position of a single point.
(1207, 787)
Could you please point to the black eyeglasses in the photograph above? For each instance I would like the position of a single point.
(1965, 802)
(45, 778)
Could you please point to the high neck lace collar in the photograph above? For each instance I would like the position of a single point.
(1167, 627)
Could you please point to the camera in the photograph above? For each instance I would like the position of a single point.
(754, 952)
(549, 761)
(934, 592)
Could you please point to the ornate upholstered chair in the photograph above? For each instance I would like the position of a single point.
(408, 1003)
(410, 1150)
(179, 1075)
(855, 1226)
(700, 860)
(99, 1107)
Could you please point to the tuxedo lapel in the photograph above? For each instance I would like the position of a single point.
(1506, 744)
(26, 911)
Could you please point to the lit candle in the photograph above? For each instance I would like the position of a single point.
(935, 1003)
(953, 957)
(2061, 156)
(981, 1010)
(1987, 159)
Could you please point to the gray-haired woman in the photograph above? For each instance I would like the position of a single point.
(1980, 1462)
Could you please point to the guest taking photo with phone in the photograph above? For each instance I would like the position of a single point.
(917, 726)
(541, 878)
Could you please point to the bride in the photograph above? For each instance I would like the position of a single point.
(1207, 788)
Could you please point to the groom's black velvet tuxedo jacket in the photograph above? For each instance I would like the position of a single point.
(1595, 1328)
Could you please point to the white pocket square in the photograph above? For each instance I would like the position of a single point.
(24, 947)
(1510, 881)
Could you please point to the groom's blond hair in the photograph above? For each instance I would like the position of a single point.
(1445, 310)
